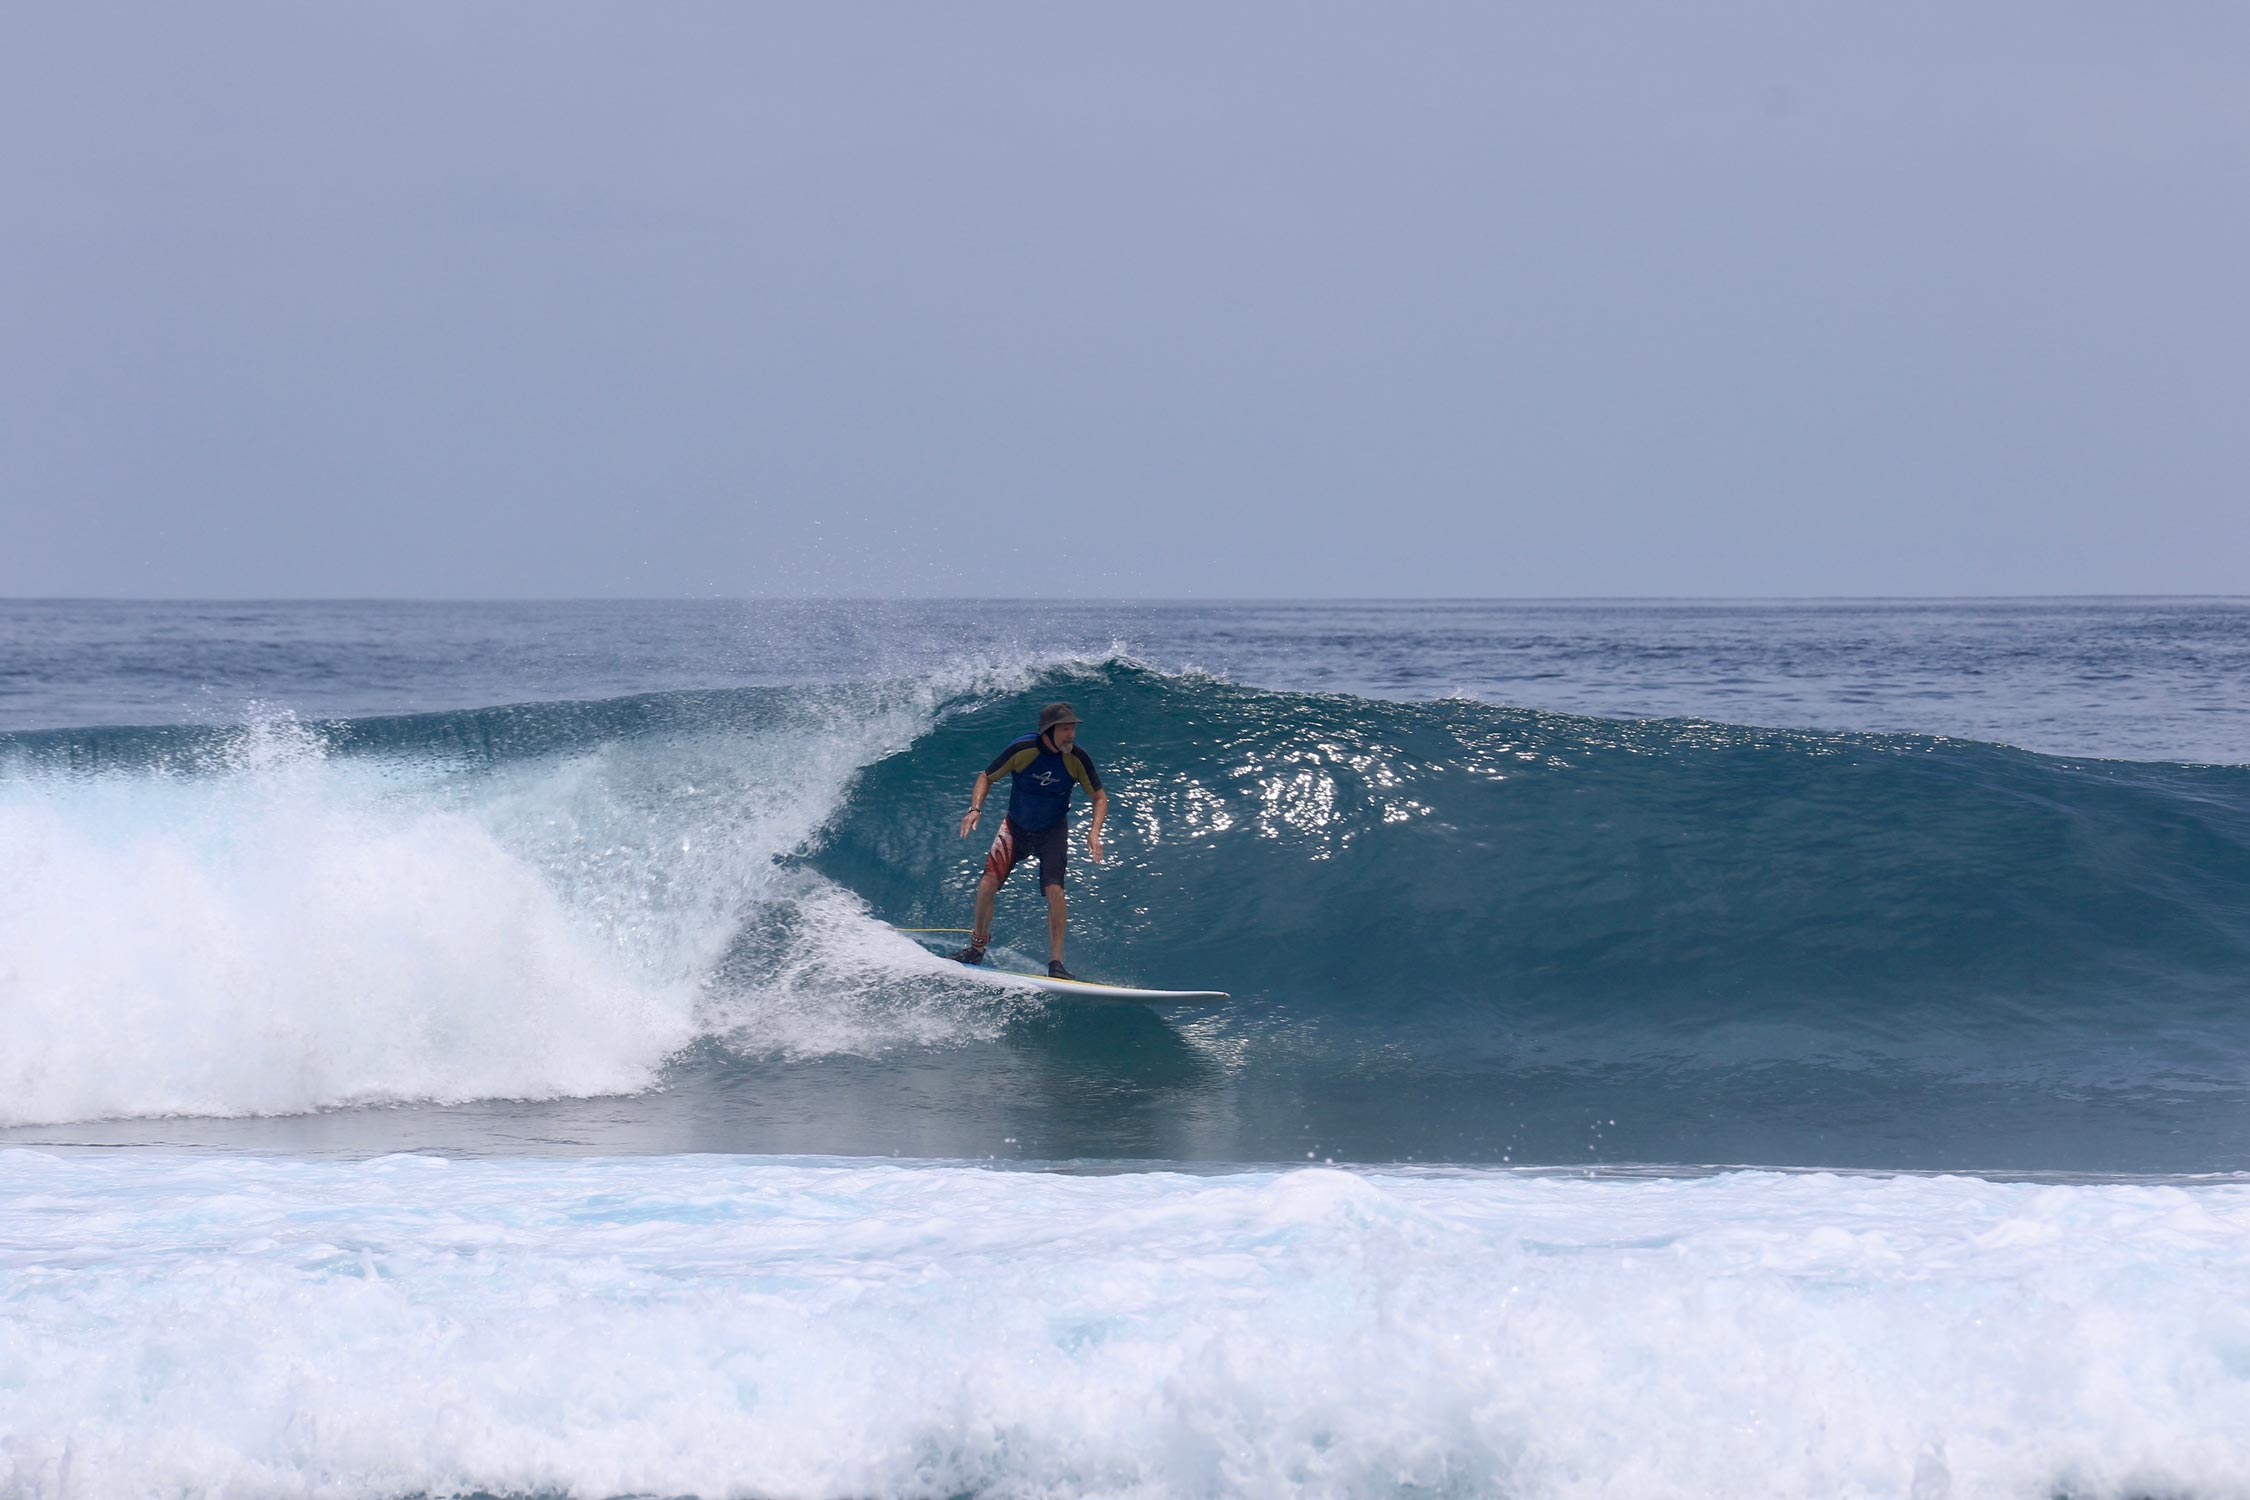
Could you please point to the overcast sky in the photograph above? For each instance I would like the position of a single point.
(505, 300)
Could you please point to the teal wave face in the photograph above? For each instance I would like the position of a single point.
(1478, 884)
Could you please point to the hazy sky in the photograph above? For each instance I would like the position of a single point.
(555, 299)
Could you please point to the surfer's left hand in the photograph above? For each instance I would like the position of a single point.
(1094, 847)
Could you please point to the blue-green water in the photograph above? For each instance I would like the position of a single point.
(1491, 883)
(463, 1050)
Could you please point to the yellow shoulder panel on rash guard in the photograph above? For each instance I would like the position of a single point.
(1077, 764)
(1017, 761)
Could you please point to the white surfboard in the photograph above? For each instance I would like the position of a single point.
(1079, 989)
(1076, 989)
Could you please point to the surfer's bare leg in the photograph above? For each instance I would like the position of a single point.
(1058, 916)
(988, 891)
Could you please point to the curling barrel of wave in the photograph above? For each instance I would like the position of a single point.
(1475, 880)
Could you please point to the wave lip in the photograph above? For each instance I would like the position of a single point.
(864, 1328)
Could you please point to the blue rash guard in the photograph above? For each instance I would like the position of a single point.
(1039, 797)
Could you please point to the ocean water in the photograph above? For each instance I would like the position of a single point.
(1761, 1049)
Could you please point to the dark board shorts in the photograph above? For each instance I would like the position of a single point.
(1014, 844)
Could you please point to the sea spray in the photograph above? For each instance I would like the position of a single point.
(283, 931)
(519, 904)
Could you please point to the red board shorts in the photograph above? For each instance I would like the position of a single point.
(1014, 844)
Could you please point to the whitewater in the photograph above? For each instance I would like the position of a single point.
(410, 1325)
(1747, 1050)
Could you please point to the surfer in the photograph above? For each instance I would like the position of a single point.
(1045, 766)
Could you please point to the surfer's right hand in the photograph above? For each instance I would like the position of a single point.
(970, 821)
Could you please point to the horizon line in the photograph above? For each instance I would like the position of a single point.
(1093, 599)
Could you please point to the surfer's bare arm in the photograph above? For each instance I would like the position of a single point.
(976, 806)
(1094, 834)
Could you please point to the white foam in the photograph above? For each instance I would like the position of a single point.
(714, 1326)
(290, 929)
(282, 936)
(832, 980)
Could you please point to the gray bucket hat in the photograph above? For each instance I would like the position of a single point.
(1056, 714)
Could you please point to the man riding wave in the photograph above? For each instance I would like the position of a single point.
(1046, 766)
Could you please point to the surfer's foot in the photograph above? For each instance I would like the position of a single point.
(1055, 970)
(969, 955)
